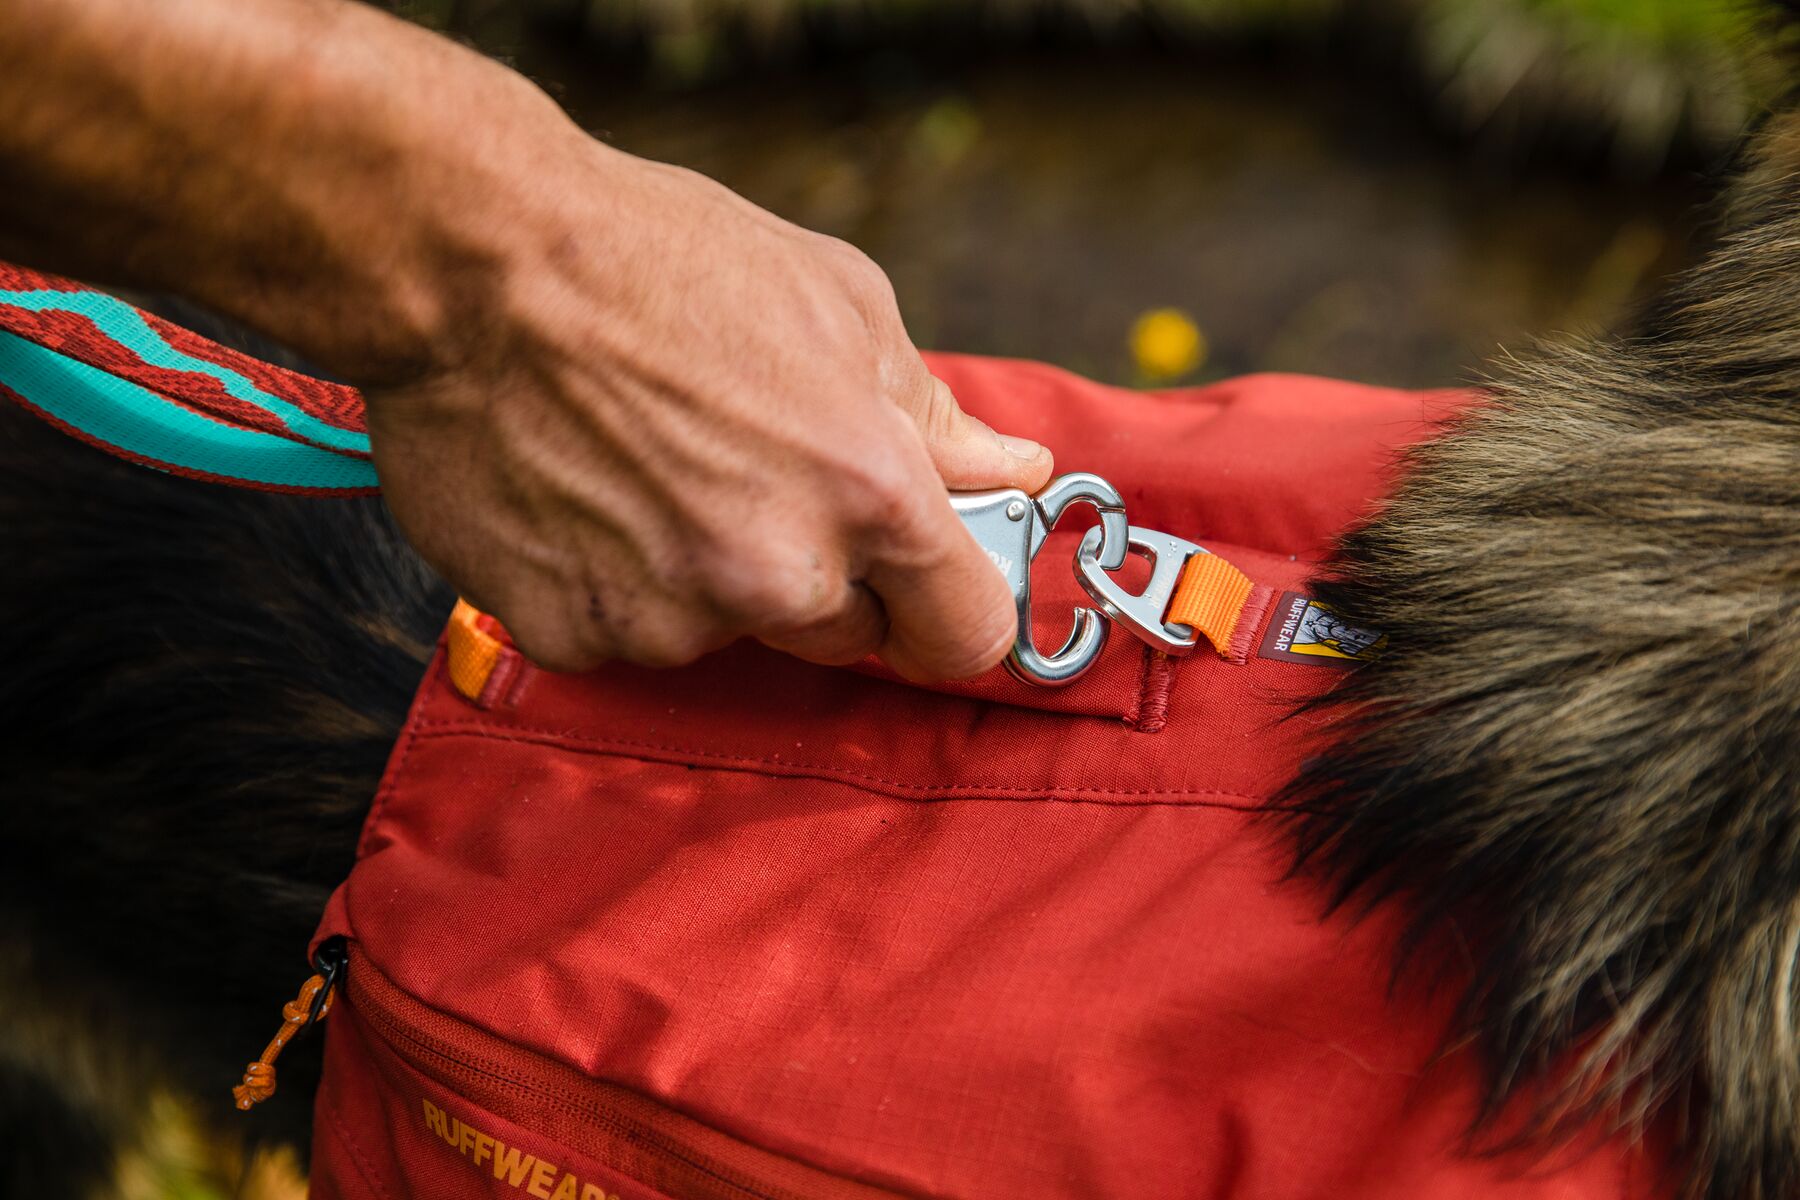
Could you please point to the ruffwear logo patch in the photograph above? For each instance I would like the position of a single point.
(534, 1176)
(1304, 630)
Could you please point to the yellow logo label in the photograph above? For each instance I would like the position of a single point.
(531, 1174)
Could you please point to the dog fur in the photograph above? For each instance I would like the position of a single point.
(1582, 752)
(1580, 757)
(201, 690)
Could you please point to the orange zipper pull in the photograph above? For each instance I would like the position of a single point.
(306, 1009)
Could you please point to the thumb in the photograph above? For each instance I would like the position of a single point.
(968, 454)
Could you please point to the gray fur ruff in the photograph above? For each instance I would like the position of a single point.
(1582, 752)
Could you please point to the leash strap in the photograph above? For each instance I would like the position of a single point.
(1211, 597)
(483, 664)
(156, 394)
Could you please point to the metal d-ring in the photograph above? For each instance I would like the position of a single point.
(1142, 613)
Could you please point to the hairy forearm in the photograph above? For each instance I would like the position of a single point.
(322, 171)
(584, 371)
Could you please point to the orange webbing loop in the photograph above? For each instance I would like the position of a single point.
(474, 652)
(1210, 597)
(296, 1014)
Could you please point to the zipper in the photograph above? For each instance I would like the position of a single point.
(330, 961)
(685, 1158)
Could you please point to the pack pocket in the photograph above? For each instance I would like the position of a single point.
(418, 1104)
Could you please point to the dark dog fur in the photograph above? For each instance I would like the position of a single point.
(202, 688)
(1583, 750)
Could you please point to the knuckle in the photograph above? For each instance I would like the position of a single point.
(847, 255)
(868, 285)
(554, 650)
(546, 632)
(809, 617)
(840, 630)
(800, 600)
(871, 282)
(668, 645)
(884, 492)
(779, 591)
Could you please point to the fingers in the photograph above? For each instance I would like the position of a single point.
(845, 629)
(950, 613)
(607, 630)
(969, 455)
(848, 629)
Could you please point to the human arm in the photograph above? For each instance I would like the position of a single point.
(620, 407)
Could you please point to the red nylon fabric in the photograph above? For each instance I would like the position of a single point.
(982, 941)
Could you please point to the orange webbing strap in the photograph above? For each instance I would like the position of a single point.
(1210, 597)
(474, 652)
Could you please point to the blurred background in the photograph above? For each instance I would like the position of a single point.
(1155, 191)
(1159, 192)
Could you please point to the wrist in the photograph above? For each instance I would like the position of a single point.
(400, 167)
(342, 181)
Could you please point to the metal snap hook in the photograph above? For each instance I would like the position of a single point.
(1011, 527)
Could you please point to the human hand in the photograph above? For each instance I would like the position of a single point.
(682, 421)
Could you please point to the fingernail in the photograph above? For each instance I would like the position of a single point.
(1021, 448)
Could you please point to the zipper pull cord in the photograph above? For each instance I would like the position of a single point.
(310, 1006)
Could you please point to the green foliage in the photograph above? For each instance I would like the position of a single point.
(1638, 75)
(1674, 23)
(1641, 73)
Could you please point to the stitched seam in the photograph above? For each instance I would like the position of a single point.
(622, 747)
(1156, 689)
(356, 1155)
(402, 750)
(379, 804)
(1130, 717)
(1257, 607)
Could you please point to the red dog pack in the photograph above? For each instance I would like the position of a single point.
(761, 929)
(757, 928)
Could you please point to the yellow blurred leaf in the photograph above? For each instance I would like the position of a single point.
(1165, 343)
